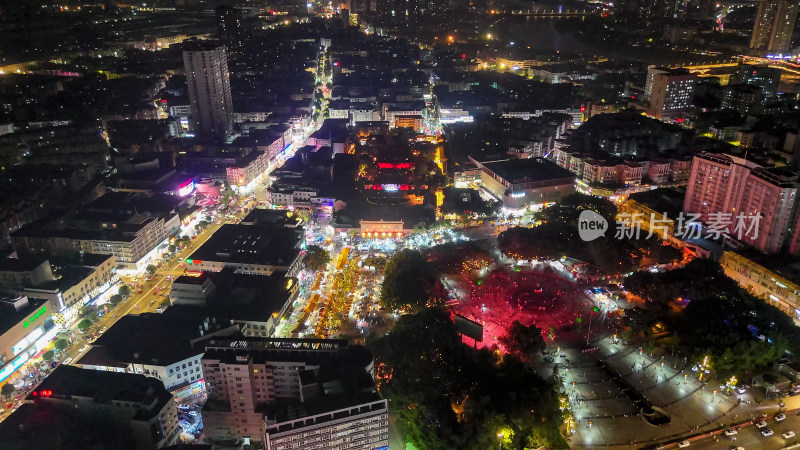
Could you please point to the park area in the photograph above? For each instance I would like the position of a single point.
(537, 296)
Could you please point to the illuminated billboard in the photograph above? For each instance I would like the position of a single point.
(13, 366)
(186, 188)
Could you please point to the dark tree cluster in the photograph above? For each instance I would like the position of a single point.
(316, 258)
(708, 313)
(448, 395)
(410, 281)
(557, 236)
(458, 257)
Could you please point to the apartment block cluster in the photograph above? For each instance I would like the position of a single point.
(128, 226)
(617, 173)
(112, 410)
(282, 393)
(291, 392)
(727, 184)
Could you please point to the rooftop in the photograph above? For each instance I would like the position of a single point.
(669, 201)
(251, 244)
(250, 297)
(9, 318)
(517, 171)
(21, 264)
(141, 338)
(60, 426)
(69, 277)
(104, 387)
(272, 217)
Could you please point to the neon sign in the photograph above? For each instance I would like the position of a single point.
(388, 187)
(35, 316)
(395, 165)
(186, 188)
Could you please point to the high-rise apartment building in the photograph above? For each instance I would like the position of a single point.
(209, 86)
(291, 394)
(765, 77)
(231, 29)
(722, 183)
(669, 91)
(772, 31)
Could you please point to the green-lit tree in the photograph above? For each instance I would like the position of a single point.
(151, 269)
(124, 290)
(115, 299)
(49, 355)
(84, 324)
(61, 344)
(8, 390)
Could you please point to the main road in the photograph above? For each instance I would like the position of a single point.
(749, 436)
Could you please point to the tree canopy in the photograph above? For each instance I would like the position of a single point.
(523, 341)
(124, 290)
(84, 324)
(410, 281)
(316, 258)
(8, 390)
(710, 314)
(115, 299)
(61, 344)
(456, 257)
(448, 395)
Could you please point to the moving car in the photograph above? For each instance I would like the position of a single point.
(683, 444)
(761, 424)
(731, 432)
(67, 361)
(780, 418)
(788, 435)
(767, 432)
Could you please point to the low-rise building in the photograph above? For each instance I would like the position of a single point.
(250, 249)
(26, 328)
(81, 408)
(66, 289)
(161, 346)
(763, 283)
(194, 289)
(520, 184)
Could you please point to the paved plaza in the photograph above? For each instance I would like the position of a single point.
(607, 417)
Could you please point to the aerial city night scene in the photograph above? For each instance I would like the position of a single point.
(399, 224)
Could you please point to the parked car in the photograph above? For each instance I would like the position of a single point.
(767, 432)
(788, 435)
(780, 418)
(761, 424)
